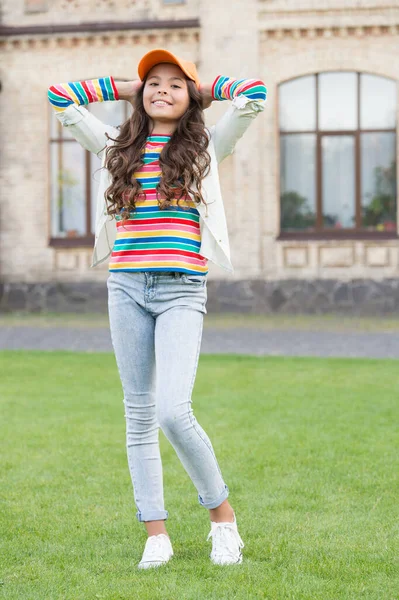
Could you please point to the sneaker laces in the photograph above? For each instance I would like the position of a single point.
(225, 539)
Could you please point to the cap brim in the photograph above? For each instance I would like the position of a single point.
(154, 57)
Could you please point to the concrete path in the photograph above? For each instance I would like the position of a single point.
(236, 341)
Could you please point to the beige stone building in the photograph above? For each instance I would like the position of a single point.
(310, 192)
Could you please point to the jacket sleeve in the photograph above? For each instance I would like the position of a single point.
(248, 100)
(68, 100)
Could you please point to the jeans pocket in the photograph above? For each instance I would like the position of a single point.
(194, 280)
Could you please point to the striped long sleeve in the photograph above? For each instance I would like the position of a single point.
(63, 95)
(228, 88)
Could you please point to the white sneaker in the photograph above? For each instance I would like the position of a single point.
(158, 551)
(226, 543)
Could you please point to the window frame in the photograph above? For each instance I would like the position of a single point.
(79, 241)
(320, 232)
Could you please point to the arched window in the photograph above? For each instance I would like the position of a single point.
(338, 155)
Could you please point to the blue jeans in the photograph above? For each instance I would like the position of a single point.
(156, 324)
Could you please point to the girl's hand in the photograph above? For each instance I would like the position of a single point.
(128, 89)
(205, 89)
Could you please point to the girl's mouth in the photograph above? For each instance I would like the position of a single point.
(161, 103)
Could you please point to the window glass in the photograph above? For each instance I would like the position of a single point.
(110, 112)
(55, 193)
(337, 101)
(378, 181)
(297, 184)
(297, 104)
(338, 189)
(378, 106)
(68, 190)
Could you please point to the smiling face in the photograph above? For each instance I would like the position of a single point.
(165, 96)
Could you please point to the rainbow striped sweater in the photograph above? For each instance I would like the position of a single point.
(154, 239)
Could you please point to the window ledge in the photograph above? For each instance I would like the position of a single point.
(335, 235)
(72, 242)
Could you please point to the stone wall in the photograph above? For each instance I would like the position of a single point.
(355, 297)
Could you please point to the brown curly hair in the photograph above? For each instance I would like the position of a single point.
(184, 160)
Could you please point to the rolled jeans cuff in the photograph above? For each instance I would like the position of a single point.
(217, 502)
(152, 515)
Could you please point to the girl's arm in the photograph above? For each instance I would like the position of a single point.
(82, 92)
(102, 89)
(248, 100)
(68, 100)
(227, 88)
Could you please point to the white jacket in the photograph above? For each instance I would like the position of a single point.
(89, 131)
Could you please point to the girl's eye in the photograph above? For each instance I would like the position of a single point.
(174, 85)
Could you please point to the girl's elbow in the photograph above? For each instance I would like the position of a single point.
(263, 90)
(51, 95)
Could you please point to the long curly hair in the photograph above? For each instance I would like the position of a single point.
(184, 160)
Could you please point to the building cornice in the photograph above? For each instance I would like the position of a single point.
(101, 40)
(96, 27)
(345, 7)
(329, 32)
(382, 17)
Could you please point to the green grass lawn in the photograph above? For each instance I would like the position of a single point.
(308, 447)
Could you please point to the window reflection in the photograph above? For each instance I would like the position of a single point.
(378, 177)
(378, 107)
(338, 190)
(297, 104)
(68, 190)
(337, 101)
(298, 197)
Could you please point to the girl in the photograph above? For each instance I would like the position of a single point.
(160, 218)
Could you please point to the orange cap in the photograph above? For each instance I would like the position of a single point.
(154, 57)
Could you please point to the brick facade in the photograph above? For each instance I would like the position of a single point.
(275, 40)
